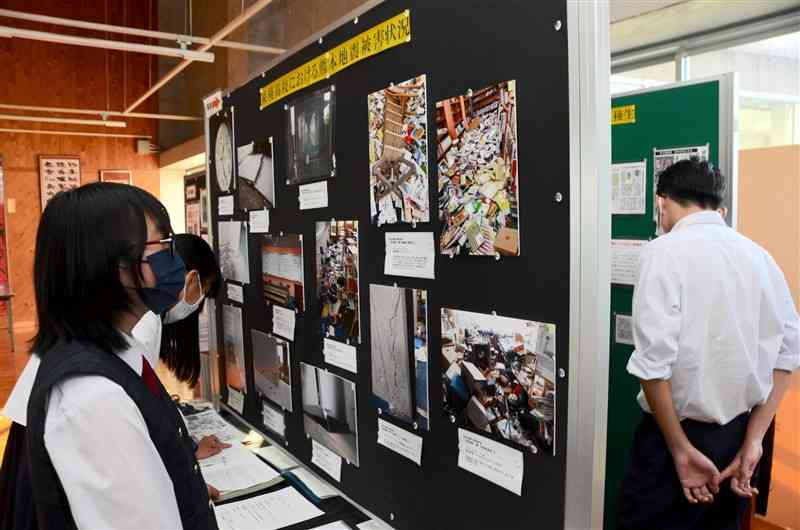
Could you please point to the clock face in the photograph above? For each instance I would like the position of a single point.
(223, 157)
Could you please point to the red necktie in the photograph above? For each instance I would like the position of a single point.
(149, 377)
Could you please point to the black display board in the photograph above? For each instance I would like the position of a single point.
(460, 45)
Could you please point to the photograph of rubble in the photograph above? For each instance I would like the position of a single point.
(399, 340)
(233, 251)
(478, 182)
(499, 376)
(337, 279)
(272, 368)
(309, 137)
(329, 411)
(282, 270)
(256, 175)
(398, 153)
(233, 344)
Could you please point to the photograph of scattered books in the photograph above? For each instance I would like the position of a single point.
(337, 279)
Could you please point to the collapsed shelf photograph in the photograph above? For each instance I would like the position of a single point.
(272, 368)
(221, 131)
(309, 137)
(337, 279)
(233, 251)
(233, 347)
(329, 411)
(398, 153)
(255, 185)
(498, 376)
(399, 349)
(478, 184)
(282, 270)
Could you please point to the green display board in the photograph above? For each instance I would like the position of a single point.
(677, 116)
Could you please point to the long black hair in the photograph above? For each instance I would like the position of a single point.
(180, 341)
(84, 237)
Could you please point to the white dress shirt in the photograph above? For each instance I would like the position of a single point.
(712, 314)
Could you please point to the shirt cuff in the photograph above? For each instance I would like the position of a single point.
(787, 363)
(646, 369)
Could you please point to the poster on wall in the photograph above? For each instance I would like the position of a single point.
(222, 138)
(329, 411)
(194, 195)
(272, 369)
(398, 153)
(256, 175)
(628, 188)
(58, 173)
(478, 182)
(663, 158)
(233, 347)
(337, 279)
(282, 270)
(399, 349)
(499, 376)
(309, 137)
(233, 251)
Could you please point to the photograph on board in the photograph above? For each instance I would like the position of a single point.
(399, 349)
(337, 279)
(329, 411)
(233, 252)
(221, 132)
(282, 270)
(233, 345)
(309, 137)
(255, 186)
(499, 376)
(478, 182)
(272, 368)
(398, 153)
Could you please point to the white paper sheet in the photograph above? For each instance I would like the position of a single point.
(225, 206)
(313, 195)
(338, 525)
(271, 511)
(259, 221)
(273, 419)
(628, 188)
(208, 423)
(400, 441)
(283, 322)
(341, 355)
(317, 486)
(372, 524)
(490, 460)
(276, 457)
(623, 329)
(236, 468)
(235, 292)
(326, 460)
(409, 254)
(236, 400)
(625, 260)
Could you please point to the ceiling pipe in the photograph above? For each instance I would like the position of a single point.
(91, 112)
(72, 121)
(76, 133)
(237, 21)
(124, 30)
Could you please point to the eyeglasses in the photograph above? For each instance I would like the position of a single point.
(167, 240)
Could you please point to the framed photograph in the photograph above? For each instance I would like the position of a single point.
(191, 192)
(58, 173)
(120, 176)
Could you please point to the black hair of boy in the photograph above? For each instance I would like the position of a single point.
(692, 181)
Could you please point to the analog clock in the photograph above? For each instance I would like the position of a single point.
(223, 157)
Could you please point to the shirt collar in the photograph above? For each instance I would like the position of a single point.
(133, 354)
(706, 217)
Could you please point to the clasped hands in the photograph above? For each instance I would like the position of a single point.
(701, 480)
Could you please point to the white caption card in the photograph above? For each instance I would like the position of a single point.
(326, 460)
(225, 205)
(400, 441)
(341, 355)
(409, 254)
(283, 322)
(273, 419)
(235, 292)
(625, 260)
(490, 460)
(259, 221)
(236, 400)
(313, 195)
(623, 329)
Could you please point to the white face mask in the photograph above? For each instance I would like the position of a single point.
(182, 309)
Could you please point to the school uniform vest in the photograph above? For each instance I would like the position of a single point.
(166, 427)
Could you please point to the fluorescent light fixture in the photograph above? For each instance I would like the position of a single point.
(73, 121)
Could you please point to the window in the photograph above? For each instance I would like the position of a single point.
(647, 77)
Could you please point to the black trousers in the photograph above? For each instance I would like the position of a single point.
(652, 497)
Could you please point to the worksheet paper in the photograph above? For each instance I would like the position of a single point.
(283, 322)
(628, 188)
(259, 221)
(340, 354)
(490, 460)
(236, 468)
(625, 260)
(271, 511)
(338, 525)
(623, 329)
(235, 292)
(318, 487)
(400, 441)
(208, 423)
(276, 457)
(313, 195)
(236, 400)
(409, 254)
(273, 419)
(326, 460)
(225, 205)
